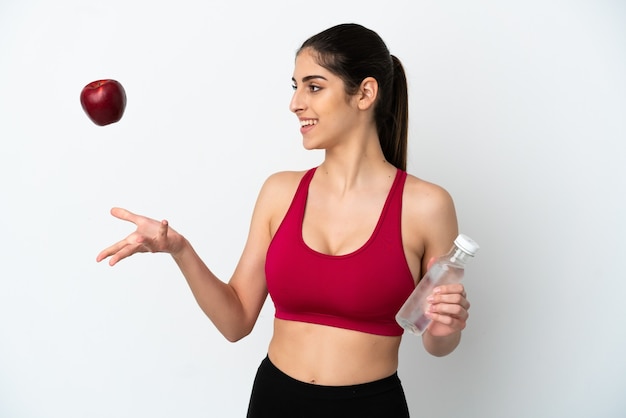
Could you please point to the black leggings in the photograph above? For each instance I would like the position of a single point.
(276, 395)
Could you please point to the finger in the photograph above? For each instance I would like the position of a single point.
(115, 248)
(447, 320)
(102, 255)
(453, 298)
(107, 252)
(457, 288)
(449, 309)
(163, 228)
(123, 253)
(123, 214)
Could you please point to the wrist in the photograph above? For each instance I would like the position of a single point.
(441, 345)
(180, 248)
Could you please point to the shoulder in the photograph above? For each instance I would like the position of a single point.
(429, 218)
(276, 195)
(282, 179)
(281, 184)
(425, 199)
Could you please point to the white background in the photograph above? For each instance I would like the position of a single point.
(517, 108)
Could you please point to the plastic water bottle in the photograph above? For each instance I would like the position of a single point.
(446, 269)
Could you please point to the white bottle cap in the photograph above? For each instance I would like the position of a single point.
(466, 244)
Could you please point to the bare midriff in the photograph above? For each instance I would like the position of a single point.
(331, 356)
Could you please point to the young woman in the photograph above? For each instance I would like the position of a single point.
(339, 247)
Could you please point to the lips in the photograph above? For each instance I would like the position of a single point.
(306, 125)
(308, 122)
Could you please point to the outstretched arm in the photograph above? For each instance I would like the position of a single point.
(234, 306)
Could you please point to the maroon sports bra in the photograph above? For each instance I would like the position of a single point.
(361, 291)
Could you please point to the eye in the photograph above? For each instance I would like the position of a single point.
(294, 87)
(313, 88)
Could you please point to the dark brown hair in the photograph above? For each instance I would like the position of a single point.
(354, 52)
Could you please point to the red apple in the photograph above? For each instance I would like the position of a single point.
(103, 101)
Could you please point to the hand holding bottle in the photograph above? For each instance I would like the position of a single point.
(439, 301)
(447, 308)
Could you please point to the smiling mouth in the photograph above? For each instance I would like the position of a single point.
(308, 122)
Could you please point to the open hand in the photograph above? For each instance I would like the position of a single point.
(150, 236)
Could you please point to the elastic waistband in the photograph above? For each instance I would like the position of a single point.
(368, 389)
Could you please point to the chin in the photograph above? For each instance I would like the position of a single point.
(310, 145)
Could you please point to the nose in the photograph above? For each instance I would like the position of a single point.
(296, 104)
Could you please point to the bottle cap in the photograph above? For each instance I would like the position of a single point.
(466, 244)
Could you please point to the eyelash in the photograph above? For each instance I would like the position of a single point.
(311, 87)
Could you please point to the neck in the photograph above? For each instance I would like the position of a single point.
(349, 170)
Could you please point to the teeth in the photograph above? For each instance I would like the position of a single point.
(308, 122)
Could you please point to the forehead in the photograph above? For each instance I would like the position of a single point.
(306, 65)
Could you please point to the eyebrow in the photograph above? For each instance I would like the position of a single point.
(309, 77)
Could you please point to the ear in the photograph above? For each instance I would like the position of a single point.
(368, 91)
